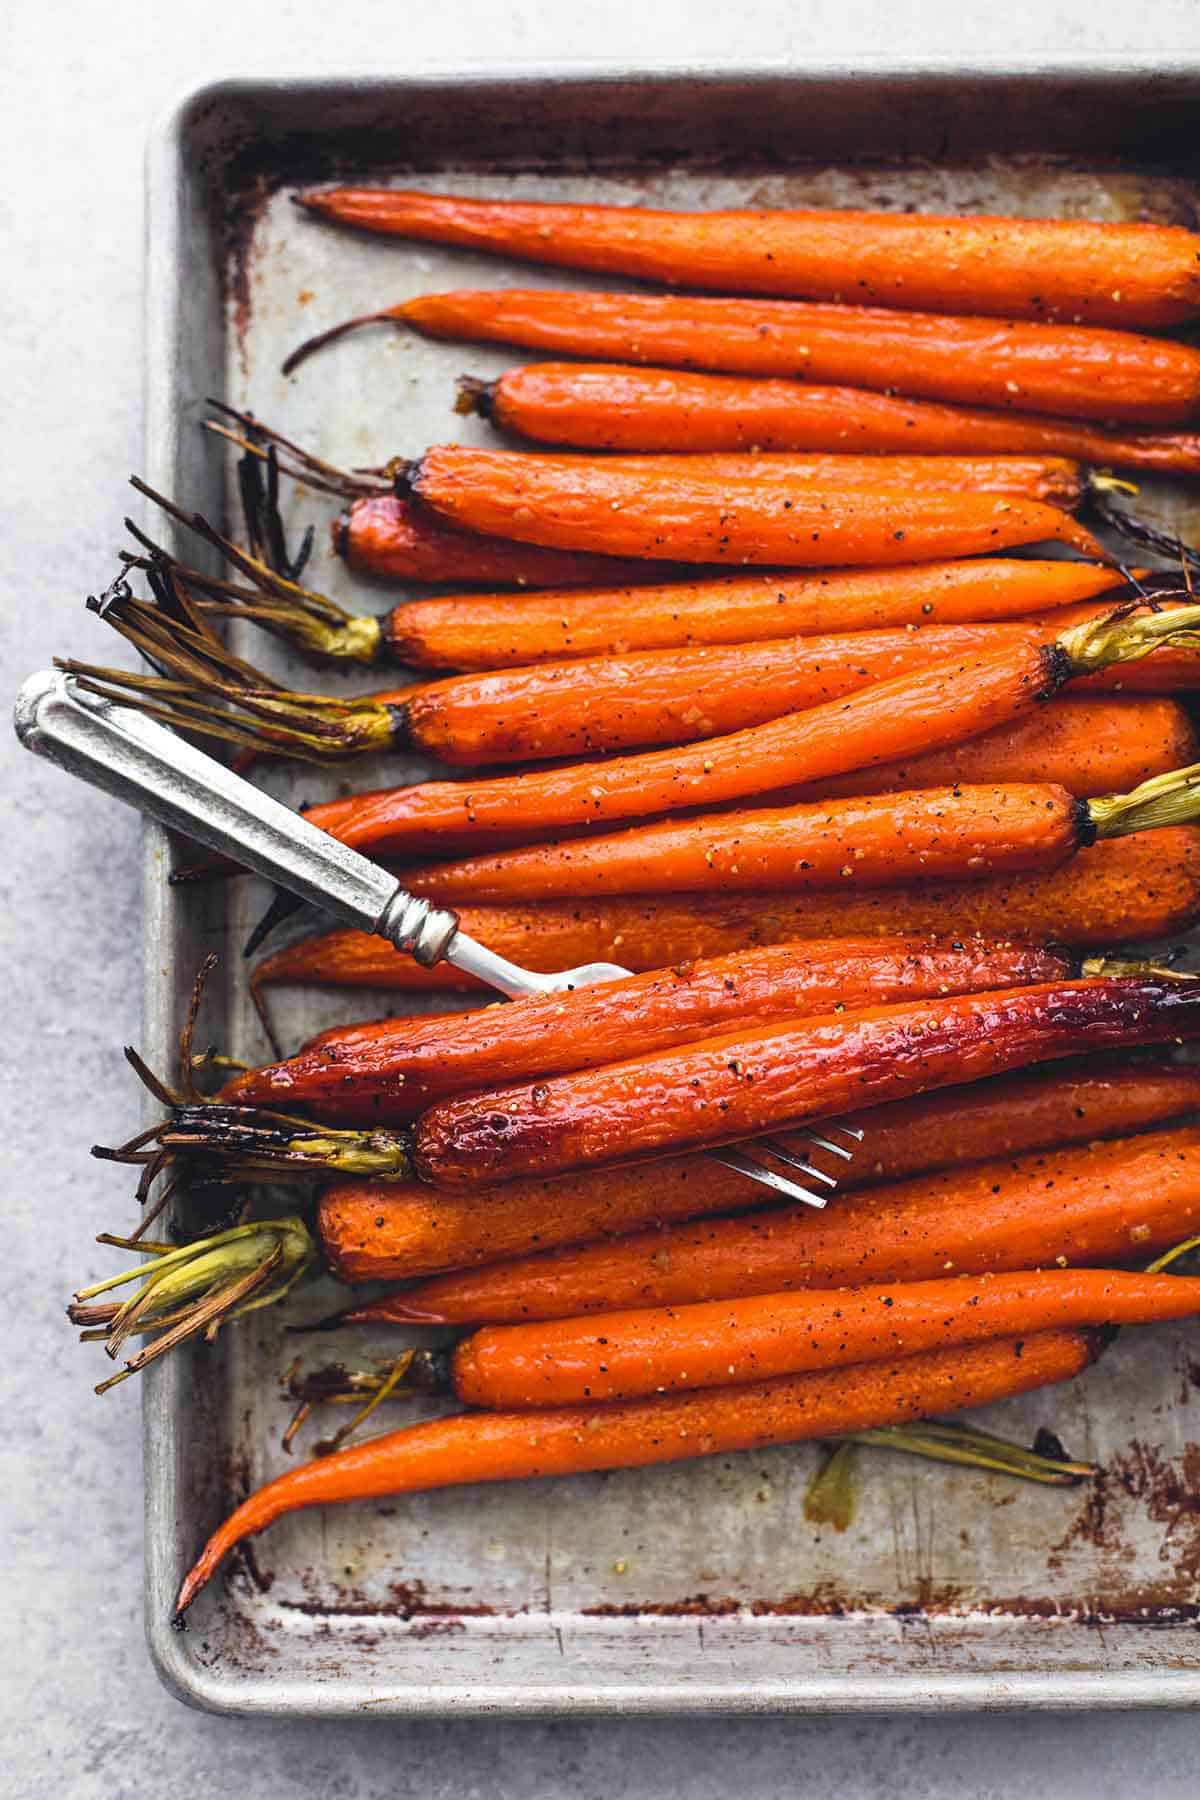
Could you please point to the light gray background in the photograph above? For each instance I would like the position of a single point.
(82, 1714)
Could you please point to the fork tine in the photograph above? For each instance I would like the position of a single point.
(824, 1143)
(744, 1164)
(772, 1147)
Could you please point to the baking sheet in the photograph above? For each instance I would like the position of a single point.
(686, 1587)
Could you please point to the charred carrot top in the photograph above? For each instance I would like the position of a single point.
(371, 1232)
(873, 841)
(1102, 274)
(1141, 887)
(389, 1071)
(510, 1446)
(723, 1343)
(744, 1084)
(1045, 368)
(479, 632)
(1092, 1204)
(604, 406)
(587, 504)
(923, 710)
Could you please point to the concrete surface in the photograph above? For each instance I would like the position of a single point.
(82, 1713)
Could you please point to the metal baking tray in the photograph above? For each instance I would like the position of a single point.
(695, 1587)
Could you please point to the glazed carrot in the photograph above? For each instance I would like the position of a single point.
(879, 840)
(1091, 1204)
(596, 705)
(1142, 887)
(387, 1072)
(743, 1084)
(481, 632)
(1100, 274)
(923, 710)
(1082, 372)
(470, 1447)
(374, 1232)
(602, 406)
(386, 536)
(725, 1343)
(583, 504)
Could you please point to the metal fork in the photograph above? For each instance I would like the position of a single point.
(140, 761)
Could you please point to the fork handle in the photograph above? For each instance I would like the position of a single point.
(139, 761)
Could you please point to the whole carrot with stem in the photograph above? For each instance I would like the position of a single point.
(1128, 889)
(1088, 1204)
(586, 504)
(372, 1231)
(923, 710)
(1075, 370)
(725, 1343)
(1100, 274)
(874, 840)
(607, 406)
(471, 1447)
(390, 1070)
(745, 1084)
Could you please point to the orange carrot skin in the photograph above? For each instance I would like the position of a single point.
(878, 840)
(1092, 746)
(393, 539)
(1092, 1204)
(923, 709)
(741, 1085)
(1127, 889)
(602, 406)
(481, 632)
(390, 1070)
(1098, 274)
(469, 1447)
(371, 1231)
(724, 1343)
(584, 504)
(1041, 368)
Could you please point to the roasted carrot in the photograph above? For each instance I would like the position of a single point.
(585, 504)
(922, 710)
(389, 1071)
(725, 1343)
(482, 632)
(743, 1084)
(374, 1232)
(1092, 1204)
(1082, 372)
(470, 1447)
(1141, 887)
(603, 406)
(1100, 274)
(390, 537)
(880, 840)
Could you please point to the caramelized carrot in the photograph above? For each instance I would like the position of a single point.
(603, 406)
(585, 504)
(480, 632)
(1091, 1204)
(877, 840)
(1100, 274)
(923, 710)
(389, 1071)
(370, 1231)
(386, 536)
(725, 1343)
(470, 1447)
(596, 705)
(742, 1084)
(1084, 373)
(1141, 887)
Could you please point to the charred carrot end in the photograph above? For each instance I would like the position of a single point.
(474, 1447)
(1141, 275)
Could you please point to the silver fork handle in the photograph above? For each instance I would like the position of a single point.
(139, 761)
